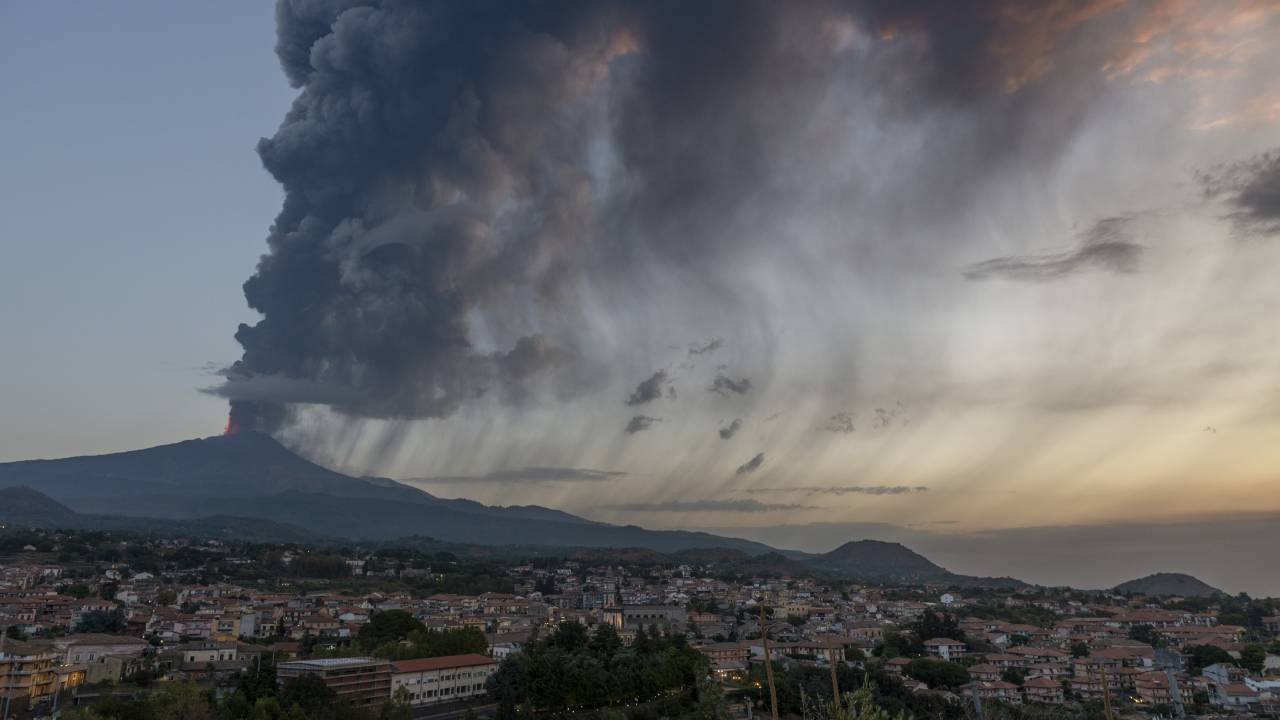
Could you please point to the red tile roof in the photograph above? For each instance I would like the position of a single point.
(440, 663)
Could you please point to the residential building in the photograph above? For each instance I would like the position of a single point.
(944, 648)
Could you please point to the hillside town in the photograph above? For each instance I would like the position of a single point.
(94, 617)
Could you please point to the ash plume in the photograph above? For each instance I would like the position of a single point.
(455, 173)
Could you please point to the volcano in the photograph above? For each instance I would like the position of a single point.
(250, 475)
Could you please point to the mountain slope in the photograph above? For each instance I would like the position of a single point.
(249, 475)
(30, 508)
(1168, 584)
(21, 505)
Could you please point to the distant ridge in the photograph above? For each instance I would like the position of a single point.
(1168, 584)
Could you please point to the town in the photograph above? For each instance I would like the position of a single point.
(105, 625)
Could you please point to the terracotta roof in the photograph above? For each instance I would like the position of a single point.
(440, 663)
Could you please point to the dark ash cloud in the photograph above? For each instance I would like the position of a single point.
(1107, 246)
(1252, 188)
(731, 506)
(640, 423)
(530, 475)
(751, 465)
(841, 422)
(846, 489)
(723, 384)
(652, 389)
(731, 429)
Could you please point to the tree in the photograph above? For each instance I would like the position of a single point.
(932, 625)
(938, 673)
(1017, 676)
(1200, 657)
(388, 626)
(1253, 658)
(78, 591)
(101, 621)
(1144, 633)
(308, 692)
(1080, 649)
(859, 705)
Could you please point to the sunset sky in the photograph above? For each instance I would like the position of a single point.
(948, 266)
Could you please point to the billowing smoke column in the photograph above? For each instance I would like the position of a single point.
(450, 169)
(432, 166)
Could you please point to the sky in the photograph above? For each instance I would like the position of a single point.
(963, 267)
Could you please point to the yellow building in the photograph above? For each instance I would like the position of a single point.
(27, 671)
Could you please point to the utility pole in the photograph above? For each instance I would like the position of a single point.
(8, 681)
(1106, 692)
(768, 665)
(835, 682)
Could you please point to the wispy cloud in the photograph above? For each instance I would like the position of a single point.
(530, 475)
(844, 489)
(1106, 246)
(723, 384)
(730, 506)
(640, 423)
(709, 346)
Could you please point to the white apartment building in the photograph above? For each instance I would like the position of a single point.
(442, 679)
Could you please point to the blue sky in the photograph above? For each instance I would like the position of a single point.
(132, 207)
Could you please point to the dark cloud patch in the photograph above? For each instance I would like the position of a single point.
(640, 423)
(751, 465)
(841, 422)
(530, 476)
(729, 506)
(651, 389)
(1107, 246)
(724, 385)
(731, 429)
(709, 346)
(1252, 188)
(846, 489)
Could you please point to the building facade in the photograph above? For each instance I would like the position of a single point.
(361, 681)
(442, 679)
